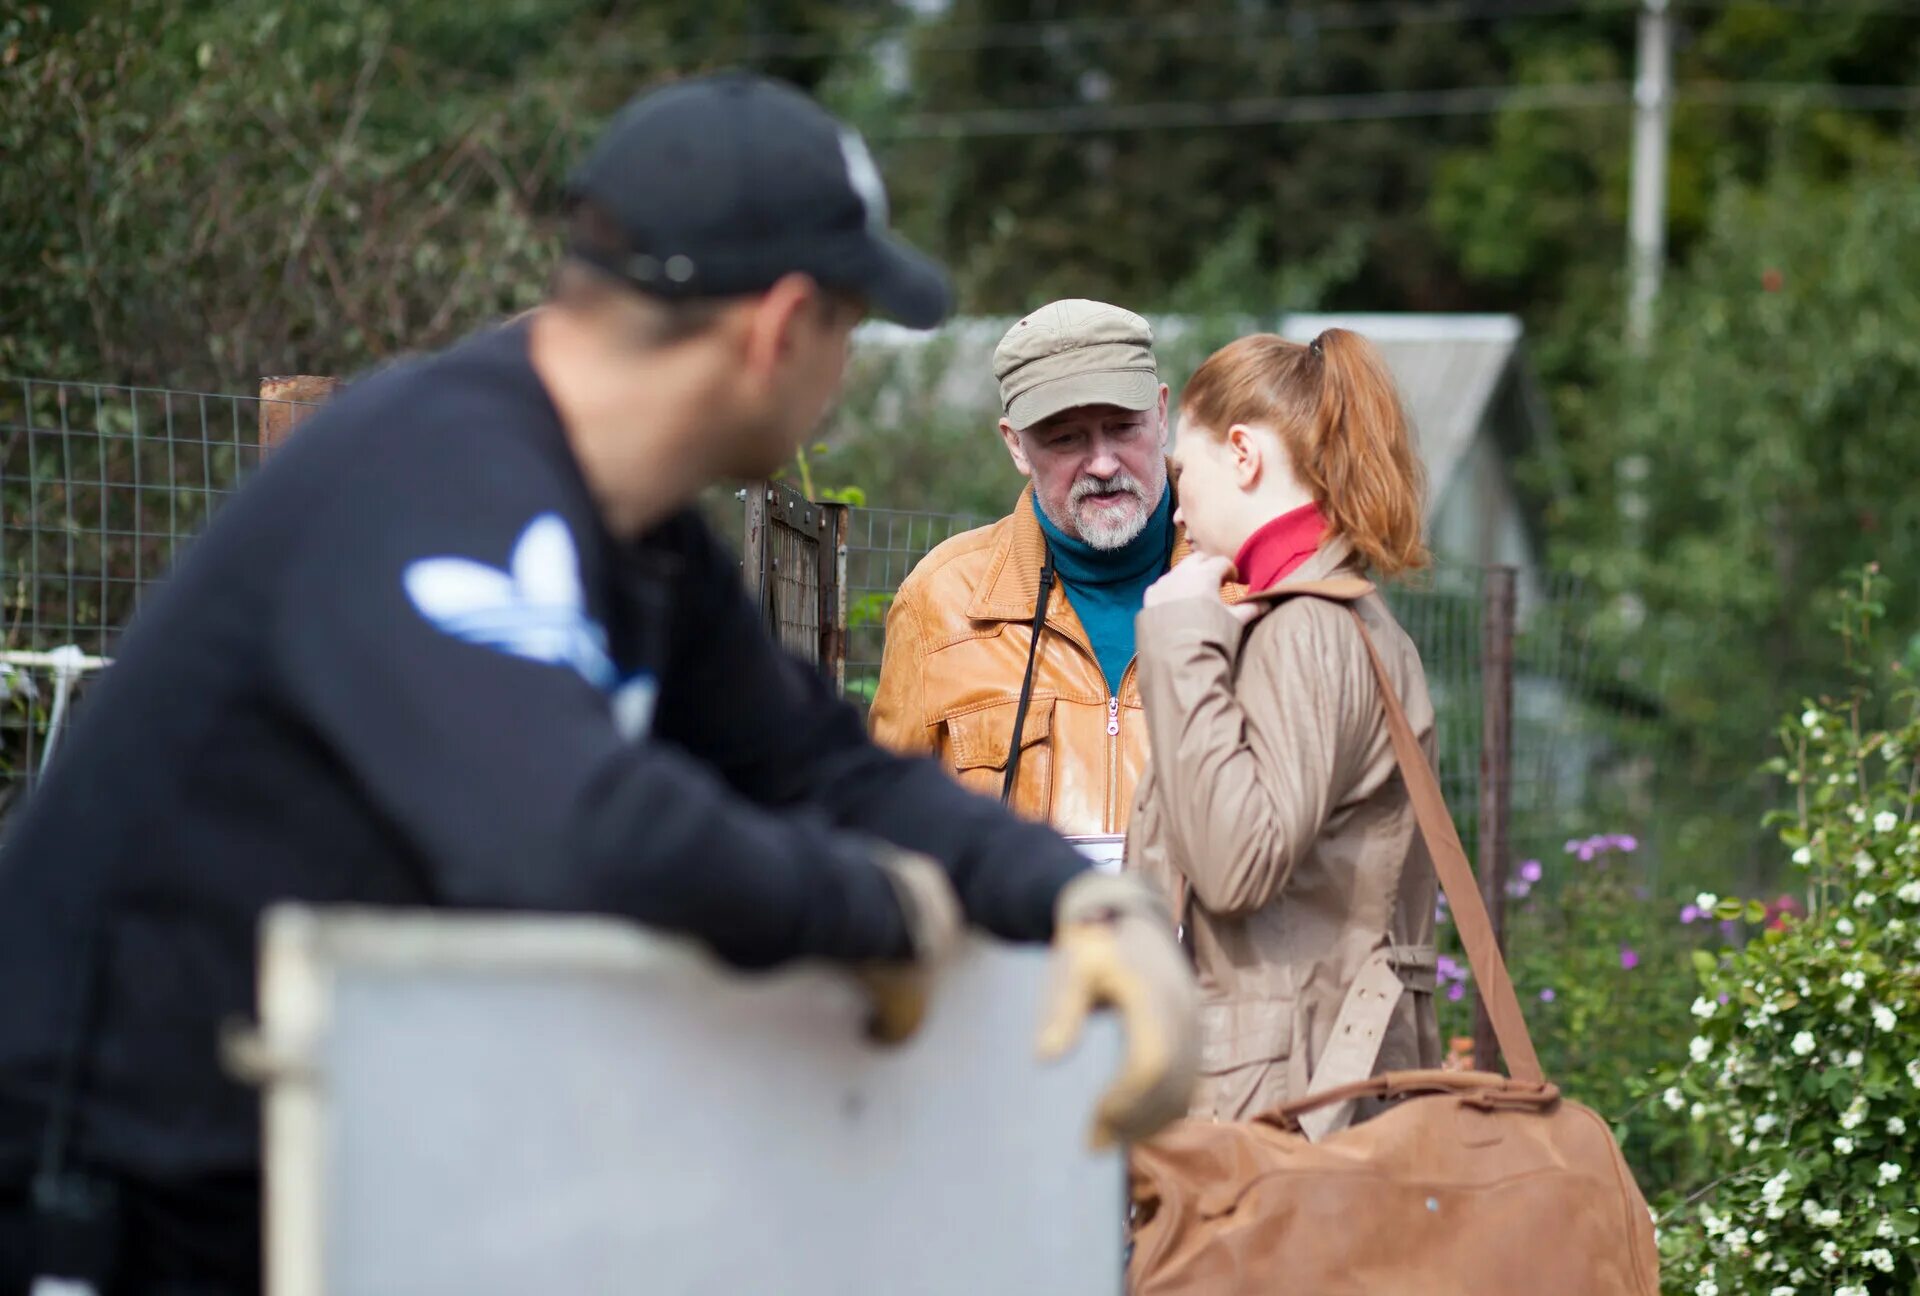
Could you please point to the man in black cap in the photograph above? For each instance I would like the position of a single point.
(464, 642)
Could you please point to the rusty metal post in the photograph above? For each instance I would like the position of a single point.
(1496, 779)
(287, 402)
(835, 524)
(756, 554)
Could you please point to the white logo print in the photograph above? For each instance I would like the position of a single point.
(534, 610)
(864, 176)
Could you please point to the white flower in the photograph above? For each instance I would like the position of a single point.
(1706, 900)
(1706, 1287)
(1700, 1048)
(1885, 1229)
(1913, 1071)
(1849, 1291)
(1844, 926)
(1774, 1212)
(1704, 1007)
(1889, 1173)
(1775, 1188)
(1862, 864)
(1896, 1126)
(1737, 1239)
(1846, 1003)
(1895, 926)
(1865, 900)
(1854, 980)
(1803, 1045)
(1884, 1018)
(1828, 1218)
(1763, 1124)
(1674, 1099)
(1880, 1258)
(1851, 1060)
(1809, 718)
(1910, 893)
(1857, 814)
(1829, 1254)
(1737, 1136)
(1843, 1145)
(1783, 1291)
(1698, 1111)
(1886, 821)
(1856, 1111)
(1803, 856)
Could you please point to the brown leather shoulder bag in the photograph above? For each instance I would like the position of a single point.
(1467, 1182)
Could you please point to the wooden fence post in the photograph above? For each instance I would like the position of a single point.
(1496, 779)
(286, 402)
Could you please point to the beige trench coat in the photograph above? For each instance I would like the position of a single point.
(1273, 815)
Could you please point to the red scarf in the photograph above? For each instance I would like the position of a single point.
(1277, 549)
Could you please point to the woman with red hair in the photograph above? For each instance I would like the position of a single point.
(1273, 811)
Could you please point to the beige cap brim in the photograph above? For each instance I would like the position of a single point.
(1134, 389)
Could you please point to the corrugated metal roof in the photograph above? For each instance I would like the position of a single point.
(1448, 369)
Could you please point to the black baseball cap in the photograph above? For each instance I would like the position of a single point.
(721, 184)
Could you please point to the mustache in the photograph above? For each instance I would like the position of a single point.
(1120, 481)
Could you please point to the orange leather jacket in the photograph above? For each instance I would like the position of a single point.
(957, 638)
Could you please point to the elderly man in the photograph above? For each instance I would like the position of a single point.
(1026, 626)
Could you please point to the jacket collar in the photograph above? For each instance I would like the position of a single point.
(1012, 580)
(1333, 572)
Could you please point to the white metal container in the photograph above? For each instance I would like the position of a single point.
(477, 1104)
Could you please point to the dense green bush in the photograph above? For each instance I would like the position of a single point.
(1804, 1076)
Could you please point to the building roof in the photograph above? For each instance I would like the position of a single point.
(1449, 368)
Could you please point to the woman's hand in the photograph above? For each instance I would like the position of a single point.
(1200, 576)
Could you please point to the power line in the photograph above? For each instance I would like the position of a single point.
(1381, 106)
(858, 38)
(1374, 106)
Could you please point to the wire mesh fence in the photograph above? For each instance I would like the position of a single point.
(101, 487)
(104, 486)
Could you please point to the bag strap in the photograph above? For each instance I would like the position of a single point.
(1456, 877)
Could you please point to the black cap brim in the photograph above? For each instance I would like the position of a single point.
(898, 282)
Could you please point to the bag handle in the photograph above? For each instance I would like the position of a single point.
(1480, 1088)
(1443, 843)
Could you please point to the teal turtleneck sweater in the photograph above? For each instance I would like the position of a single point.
(1106, 586)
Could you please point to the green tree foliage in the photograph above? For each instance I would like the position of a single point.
(1774, 410)
(201, 192)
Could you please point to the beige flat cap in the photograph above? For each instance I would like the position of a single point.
(1072, 353)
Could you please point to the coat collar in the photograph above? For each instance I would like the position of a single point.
(1333, 572)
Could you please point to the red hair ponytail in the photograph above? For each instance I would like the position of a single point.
(1339, 415)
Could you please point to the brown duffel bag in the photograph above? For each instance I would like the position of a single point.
(1467, 1182)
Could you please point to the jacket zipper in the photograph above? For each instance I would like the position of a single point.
(1113, 749)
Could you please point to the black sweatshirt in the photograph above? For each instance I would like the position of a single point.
(408, 665)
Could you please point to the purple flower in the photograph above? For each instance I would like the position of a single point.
(1691, 913)
(1518, 888)
(1531, 871)
(1729, 928)
(1723, 997)
(1627, 842)
(1456, 991)
(1447, 969)
(1547, 995)
(1629, 959)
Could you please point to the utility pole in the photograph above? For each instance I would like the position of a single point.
(1647, 203)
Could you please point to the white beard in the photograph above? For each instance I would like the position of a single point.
(1101, 526)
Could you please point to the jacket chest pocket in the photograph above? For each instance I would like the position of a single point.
(980, 738)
